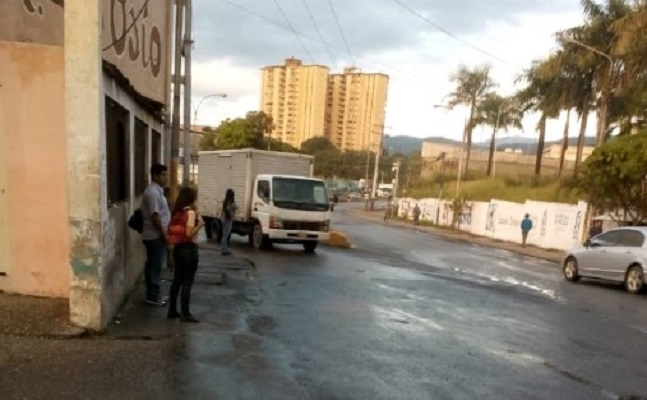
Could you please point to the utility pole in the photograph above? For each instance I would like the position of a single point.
(188, 47)
(376, 173)
(442, 186)
(177, 85)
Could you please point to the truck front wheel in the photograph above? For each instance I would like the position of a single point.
(256, 237)
(310, 247)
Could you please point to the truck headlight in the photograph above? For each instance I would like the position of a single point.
(325, 227)
(276, 223)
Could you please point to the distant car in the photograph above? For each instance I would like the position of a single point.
(354, 196)
(618, 255)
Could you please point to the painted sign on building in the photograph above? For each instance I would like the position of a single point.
(134, 36)
(135, 41)
(32, 21)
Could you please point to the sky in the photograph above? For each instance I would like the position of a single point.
(234, 39)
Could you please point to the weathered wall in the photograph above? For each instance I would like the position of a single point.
(123, 251)
(34, 195)
(556, 226)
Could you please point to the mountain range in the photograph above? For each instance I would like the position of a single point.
(409, 144)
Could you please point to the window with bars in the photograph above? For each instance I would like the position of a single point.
(117, 125)
(141, 139)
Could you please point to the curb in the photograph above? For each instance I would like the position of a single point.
(460, 237)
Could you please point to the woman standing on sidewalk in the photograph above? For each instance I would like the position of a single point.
(229, 210)
(185, 225)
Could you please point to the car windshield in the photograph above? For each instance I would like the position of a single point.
(300, 194)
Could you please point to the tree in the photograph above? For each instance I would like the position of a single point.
(209, 139)
(248, 132)
(318, 144)
(472, 87)
(614, 177)
(498, 112)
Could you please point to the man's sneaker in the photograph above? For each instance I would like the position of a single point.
(189, 318)
(155, 302)
(173, 315)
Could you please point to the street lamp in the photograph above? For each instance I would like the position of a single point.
(460, 160)
(194, 154)
(602, 119)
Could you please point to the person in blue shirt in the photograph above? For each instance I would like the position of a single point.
(526, 226)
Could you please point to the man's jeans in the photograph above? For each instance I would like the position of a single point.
(155, 253)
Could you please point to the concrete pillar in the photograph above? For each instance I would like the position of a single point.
(85, 128)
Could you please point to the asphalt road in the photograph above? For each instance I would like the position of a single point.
(405, 315)
(410, 316)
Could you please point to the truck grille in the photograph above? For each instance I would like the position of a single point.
(302, 226)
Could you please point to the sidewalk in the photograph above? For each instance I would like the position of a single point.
(531, 251)
(24, 316)
(48, 318)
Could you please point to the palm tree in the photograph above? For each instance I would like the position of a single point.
(542, 95)
(498, 112)
(472, 87)
(596, 41)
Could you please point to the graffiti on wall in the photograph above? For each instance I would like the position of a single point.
(490, 223)
(35, 7)
(544, 222)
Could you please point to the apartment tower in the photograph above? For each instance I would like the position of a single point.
(355, 109)
(295, 96)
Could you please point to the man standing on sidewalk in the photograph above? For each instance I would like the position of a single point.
(157, 217)
(526, 226)
(416, 215)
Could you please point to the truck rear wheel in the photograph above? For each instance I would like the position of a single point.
(310, 247)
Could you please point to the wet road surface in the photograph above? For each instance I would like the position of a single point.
(405, 315)
(410, 316)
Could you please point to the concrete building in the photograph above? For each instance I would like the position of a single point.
(81, 120)
(355, 109)
(294, 95)
(555, 151)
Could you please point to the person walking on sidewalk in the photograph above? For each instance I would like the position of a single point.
(416, 215)
(229, 210)
(526, 227)
(156, 215)
(183, 233)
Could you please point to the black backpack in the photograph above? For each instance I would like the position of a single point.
(136, 221)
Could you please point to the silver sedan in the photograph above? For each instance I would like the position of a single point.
(618, 255)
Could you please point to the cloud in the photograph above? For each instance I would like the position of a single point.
(232, 45)
(229, 28)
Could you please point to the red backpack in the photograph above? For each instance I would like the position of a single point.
(177, 228)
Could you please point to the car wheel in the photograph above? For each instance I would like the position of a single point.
(571, 271)
(256, 236)
(310, 247)
(635, 279)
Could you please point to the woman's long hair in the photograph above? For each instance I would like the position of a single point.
(229, 198)
(186, 198)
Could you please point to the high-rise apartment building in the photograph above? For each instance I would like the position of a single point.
(295, 96)
(355, 109)
(305, 101)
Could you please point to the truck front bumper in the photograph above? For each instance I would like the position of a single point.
(285, 236)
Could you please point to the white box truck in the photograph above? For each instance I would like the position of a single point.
(279, 201)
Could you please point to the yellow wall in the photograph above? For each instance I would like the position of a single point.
(33, 159)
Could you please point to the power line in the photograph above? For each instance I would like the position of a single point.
(294, 31)
(130, 27)
(280, 25)
(448, 33)
(341, 31)
(314, 22)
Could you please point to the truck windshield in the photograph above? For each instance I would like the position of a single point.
(299, 194)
